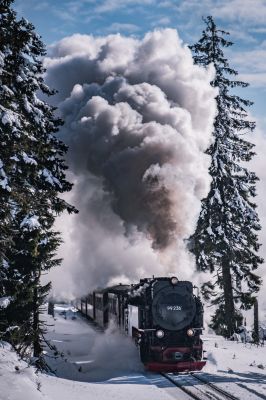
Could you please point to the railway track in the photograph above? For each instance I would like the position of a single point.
(198, 388)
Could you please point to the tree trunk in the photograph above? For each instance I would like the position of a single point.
(256, 322)
(229, 307)
(51, 308)
(37, 349)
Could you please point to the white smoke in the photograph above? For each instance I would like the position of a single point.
(138, 118)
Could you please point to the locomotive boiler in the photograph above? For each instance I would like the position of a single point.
(162, 315)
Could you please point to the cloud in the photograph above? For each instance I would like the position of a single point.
(250, 61)
(138, 119)
(257, 80)
(251, 65)
(159, 21)
(42, 5)
(258, 30)
(243, 35)
(244, 11)
(119, 27)
(112, 5)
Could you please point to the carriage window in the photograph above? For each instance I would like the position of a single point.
(98, 303)
(112, 304)
(90, 299)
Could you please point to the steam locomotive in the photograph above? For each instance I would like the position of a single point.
(162, 315)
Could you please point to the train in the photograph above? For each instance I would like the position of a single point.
(163, 316)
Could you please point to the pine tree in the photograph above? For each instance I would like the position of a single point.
(33, 176)
(225, 241)
(5, 157)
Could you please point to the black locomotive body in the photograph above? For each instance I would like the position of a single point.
(162, 315)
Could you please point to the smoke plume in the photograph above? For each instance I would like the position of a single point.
(138, 118)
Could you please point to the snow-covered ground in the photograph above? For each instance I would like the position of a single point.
(236, 367)
(92, 365)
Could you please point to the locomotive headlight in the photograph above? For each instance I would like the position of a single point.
(159, 334)
(190, 332)
(174, 280)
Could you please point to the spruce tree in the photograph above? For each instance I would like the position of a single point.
(225, 242)
(5, 157)
(33, 177)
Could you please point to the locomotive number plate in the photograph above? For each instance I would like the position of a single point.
(174, 308)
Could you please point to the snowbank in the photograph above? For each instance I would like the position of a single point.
(18, 381)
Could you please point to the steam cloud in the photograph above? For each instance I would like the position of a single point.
(138, 117)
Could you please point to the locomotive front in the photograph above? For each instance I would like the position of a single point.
(170, 324)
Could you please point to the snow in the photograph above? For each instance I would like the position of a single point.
(209, 231)
(30, 223)
(2, 57)
(14, 158)
(37, 101)
(139, 291)
(27, 105)
(105, 365)
(3, 178)
(217, 196)
(10, 118)
(7, 90)
(4, 302)
(90, 364)
(4, 184)
(27, 159)
(48, 176)
(236, 367)
(17, 380)
(19, 79)
(5, 264)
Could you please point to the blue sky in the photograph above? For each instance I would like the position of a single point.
(244, 19)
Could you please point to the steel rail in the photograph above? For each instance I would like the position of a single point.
(214, 387)
(183, 388)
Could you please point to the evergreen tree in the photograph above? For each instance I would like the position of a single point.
(5, 157)
(33, 176)
(225, 241)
